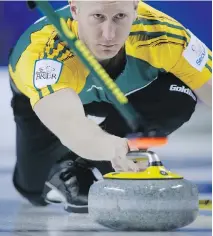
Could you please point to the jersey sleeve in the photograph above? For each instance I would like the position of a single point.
(193, 63)
(39, 77)
(170, 47)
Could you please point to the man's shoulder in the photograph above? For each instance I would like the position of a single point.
(147, 11)
(154, 36)
(152, 24)
(41, 39)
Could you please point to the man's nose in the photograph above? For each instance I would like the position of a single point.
(108, 30)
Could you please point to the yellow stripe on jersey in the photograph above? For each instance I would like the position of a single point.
(161, 28)
(153, 24)
(163, 55)
(144, 29)
(152, 38)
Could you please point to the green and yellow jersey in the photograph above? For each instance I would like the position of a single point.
(41, 63)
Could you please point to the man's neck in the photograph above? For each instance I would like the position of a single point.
(104, 63)
(117, 59)
(116, 65)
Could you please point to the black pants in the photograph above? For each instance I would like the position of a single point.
(37, 149)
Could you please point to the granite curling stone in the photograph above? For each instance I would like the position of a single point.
(153, 200)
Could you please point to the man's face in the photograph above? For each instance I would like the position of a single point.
(105, 25)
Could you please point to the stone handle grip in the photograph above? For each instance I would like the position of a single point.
(152, 157)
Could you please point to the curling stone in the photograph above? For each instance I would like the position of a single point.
(153, 200)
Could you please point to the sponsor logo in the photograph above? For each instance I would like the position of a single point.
(47, 72)
(199, 51)
(196, 53)
(182, 89)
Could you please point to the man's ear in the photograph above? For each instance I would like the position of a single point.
(74, 9)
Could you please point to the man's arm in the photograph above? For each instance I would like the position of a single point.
(62, 112)
(204, 93)
(57, 105)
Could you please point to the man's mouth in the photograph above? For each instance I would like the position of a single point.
(107, 45)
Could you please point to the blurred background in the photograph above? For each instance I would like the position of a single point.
(189, 150)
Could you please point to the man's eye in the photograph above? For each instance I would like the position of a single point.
(98, 16)
(120, 16)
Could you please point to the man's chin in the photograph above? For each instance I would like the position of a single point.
(105, 54)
